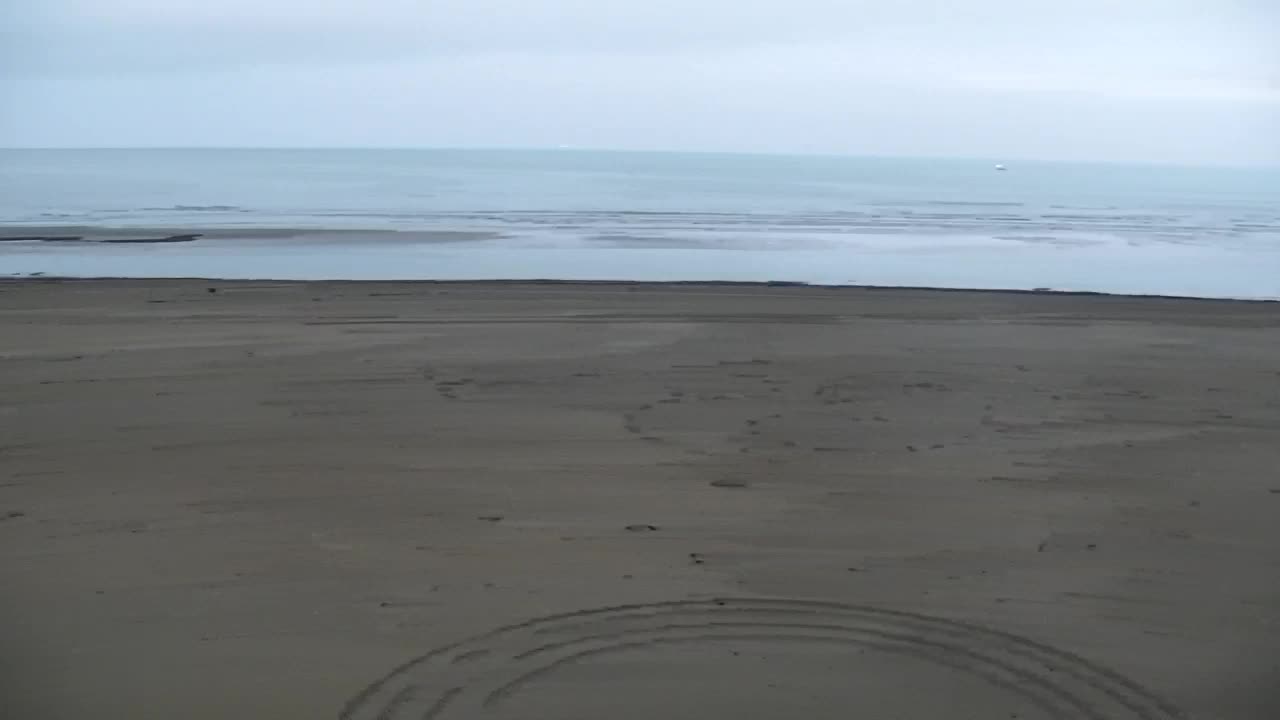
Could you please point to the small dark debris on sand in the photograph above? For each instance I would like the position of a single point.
(642, 528)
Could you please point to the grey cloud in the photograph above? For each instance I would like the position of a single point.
(130, 32)
(1148, 79)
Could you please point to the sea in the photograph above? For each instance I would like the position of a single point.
(572, 214)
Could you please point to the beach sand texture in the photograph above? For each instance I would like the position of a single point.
(581, 501)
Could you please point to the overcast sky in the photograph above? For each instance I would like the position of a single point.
(1146, 80)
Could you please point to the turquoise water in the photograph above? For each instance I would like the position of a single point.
(614, 215)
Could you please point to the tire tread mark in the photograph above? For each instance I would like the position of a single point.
(1088, 666)
(542, 624)
(1025, 647)
(470, 655)
(1084, 708)
(366, 694)
(401, 698)
(1053, 710)
(441, 703)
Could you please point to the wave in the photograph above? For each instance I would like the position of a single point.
(197, 208)
(972, 203)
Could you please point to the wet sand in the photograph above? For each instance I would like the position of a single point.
(251, 499)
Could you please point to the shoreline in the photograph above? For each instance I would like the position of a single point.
(649, 284)
(1149, 271)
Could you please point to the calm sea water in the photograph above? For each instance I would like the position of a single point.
(577, 214)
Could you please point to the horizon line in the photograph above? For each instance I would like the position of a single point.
(633, 151)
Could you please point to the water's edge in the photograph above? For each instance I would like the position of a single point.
(640, 284)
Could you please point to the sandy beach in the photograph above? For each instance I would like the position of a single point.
(545, 501)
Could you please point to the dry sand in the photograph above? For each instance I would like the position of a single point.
(814, 503)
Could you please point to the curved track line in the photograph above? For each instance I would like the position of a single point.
(959, 645)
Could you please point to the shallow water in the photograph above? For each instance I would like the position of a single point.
(651, 216)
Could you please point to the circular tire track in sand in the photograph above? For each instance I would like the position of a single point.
(485, 675)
